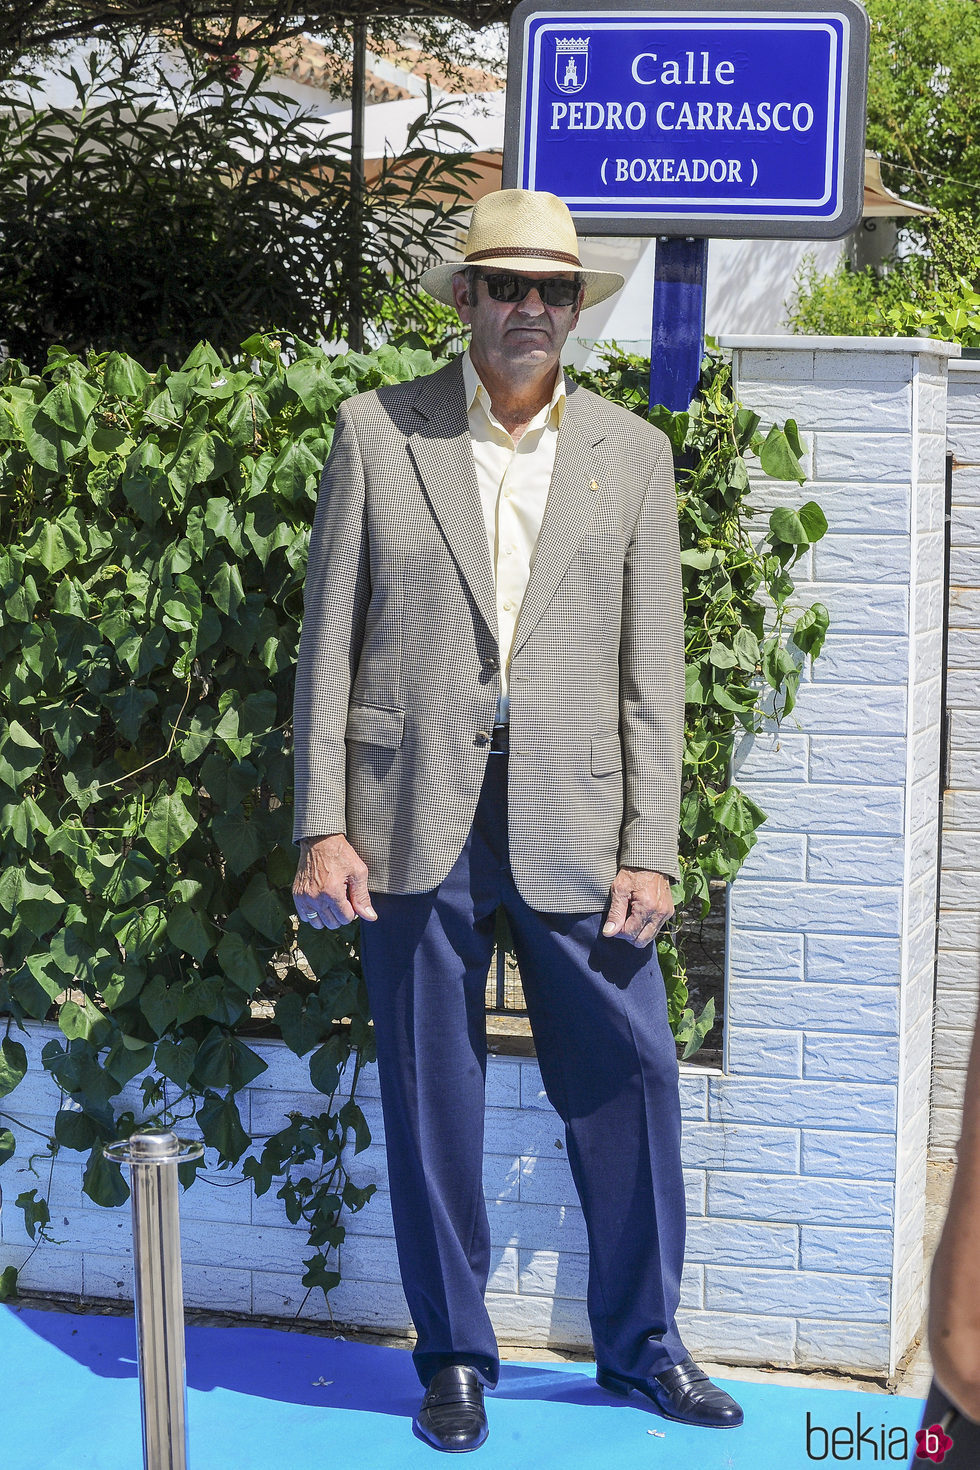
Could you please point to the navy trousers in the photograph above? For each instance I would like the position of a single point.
(598, 1013)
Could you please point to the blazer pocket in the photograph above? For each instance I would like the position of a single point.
(374, 725)
(607, 754)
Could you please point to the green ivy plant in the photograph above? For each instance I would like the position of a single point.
(154, 531)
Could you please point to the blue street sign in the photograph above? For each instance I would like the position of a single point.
(702, 117)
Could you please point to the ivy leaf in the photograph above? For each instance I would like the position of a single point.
(221, 1127)
(200, 455)
(327, 1063)
(262, 908)
(125, 984)
(240, 724)
(123, 377)
(722, 657)
(353, 1119)
(170, 820)
(175, 1060)
(70, 405)
(296, 471)
(24, 820)
(74, 1129)
(786, 525)
(240, 963)
(20, 755)
(70, 725)
(191, 931)
(40, 913)
(778, 457)
(124, 879)
(103, 1180)
(314, 384)
(182, 611)
(13, 1065)
(128, 1056)
(260, 1174)
(695, 686)
(127, 707)
(227, 782)
(36, 1212)
(316, 1274)
(47, 545)
(225, 1061)
(777, 664)
(225, 589)
(8, 1145)
(160, 1003)
(692, 1031)
(8, 1284)
(84, 1021)
(242, 839)
(810, 629)
(746, 648)
(746, 423)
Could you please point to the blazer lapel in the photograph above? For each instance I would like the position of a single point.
(569, 510)
(443, 455)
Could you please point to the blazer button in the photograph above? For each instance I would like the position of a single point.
(492, 663)
(483, 737)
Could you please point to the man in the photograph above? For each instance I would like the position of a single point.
(489, 709)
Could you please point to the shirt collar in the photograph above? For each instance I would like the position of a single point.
(476, 391)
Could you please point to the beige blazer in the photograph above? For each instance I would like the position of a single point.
(398, 677)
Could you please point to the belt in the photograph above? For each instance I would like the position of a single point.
(500, 740)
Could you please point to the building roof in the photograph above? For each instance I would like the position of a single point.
(880, 202)
(394, 72)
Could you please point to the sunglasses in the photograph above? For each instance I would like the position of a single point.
(553, 290)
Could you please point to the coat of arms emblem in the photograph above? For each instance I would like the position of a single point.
(571, 62)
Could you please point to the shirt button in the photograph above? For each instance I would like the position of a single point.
(508, 606)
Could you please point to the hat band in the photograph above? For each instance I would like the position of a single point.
(525, 250)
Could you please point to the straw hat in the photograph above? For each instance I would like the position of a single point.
(521, 230)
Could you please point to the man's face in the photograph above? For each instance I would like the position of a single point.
(519, 335)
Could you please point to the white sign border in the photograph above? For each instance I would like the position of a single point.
(579, 203)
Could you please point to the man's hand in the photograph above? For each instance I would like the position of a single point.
(330, 887)
(640, 904)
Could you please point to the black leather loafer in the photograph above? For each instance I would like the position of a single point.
(684, 1392)
(452, 1416)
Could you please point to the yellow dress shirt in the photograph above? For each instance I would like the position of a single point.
(513, 481)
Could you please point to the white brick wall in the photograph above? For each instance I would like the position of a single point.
(847, 1030)
(959, 934)
(804, 1162)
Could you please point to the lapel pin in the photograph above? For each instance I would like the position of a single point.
(594, 485)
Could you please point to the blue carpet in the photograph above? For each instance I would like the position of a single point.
(70, 1401)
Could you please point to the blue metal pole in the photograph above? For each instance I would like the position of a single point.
(677, 334)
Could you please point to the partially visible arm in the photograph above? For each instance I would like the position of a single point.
(336, 597)
(954, 1299)
(652, 679)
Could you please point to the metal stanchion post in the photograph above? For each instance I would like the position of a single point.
(153, 1155)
